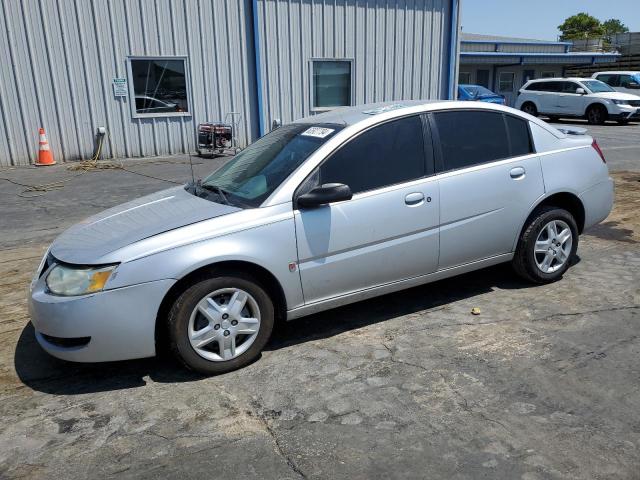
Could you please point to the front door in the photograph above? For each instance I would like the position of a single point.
(388, 231)
(490, 178)
(568, 101)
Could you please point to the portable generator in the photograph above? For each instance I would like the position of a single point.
(214, 138)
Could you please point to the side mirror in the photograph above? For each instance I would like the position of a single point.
(580, 91)
(328, 193)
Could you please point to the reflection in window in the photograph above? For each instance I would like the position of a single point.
(331, 83)
(159, 86)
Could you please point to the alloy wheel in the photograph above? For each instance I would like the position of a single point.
(553, 246)
(224, 324)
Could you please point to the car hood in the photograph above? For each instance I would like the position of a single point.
(618, 96)
(86, 242)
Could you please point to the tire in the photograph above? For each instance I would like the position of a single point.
(184, 323)
(526, 260)
(596, 115)
(530, 108)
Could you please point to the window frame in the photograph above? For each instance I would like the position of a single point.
(513, 81)
(132, 93)
(312, 60)
(468, 82)
(437, 145)
(429, 161)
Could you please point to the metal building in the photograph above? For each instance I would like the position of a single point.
(150, 71)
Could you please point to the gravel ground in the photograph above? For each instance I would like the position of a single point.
(544, 383)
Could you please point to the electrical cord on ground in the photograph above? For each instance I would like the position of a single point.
(83, 167)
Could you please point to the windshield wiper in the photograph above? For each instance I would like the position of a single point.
(216, 189)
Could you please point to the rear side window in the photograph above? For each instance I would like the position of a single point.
(385, 155)
(611, 80)
(545, 86)
(469, 138)
(519, 137)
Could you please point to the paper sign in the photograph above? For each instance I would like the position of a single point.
(318, 132)
(120, 87)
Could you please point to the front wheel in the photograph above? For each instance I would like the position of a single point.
(530, 108)
(546, 246)
(220, 324)
(596, 115)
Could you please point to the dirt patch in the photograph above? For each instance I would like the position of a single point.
(623, 224)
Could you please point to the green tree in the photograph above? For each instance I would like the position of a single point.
(581, 25)
(611, 27)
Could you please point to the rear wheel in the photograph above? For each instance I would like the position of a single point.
(220, 324)
(546, 246)
(530, 108)
(596, 114)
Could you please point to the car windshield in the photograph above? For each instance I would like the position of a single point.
(636, 78)
(253, 174)
(477, 91)
(596, 86)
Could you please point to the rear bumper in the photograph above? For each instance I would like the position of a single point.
(111, 325)
(598, 202)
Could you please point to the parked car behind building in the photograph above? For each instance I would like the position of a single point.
(577, 97)
(626, 82)
(478, 93)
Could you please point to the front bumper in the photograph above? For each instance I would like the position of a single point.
(116, 324)
(625, 113)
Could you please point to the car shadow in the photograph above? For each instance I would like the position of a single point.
(41, 372)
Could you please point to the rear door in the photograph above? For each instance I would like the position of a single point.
(489, 179)
(568, 101)
(388, 231)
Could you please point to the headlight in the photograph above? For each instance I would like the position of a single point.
(620, 102)
(64, 280)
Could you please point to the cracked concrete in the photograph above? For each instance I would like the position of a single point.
(543, 384)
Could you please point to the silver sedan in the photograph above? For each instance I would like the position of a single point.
(325, 211)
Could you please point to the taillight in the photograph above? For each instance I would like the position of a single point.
(597, 148)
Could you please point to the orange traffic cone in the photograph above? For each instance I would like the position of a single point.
(45, 157)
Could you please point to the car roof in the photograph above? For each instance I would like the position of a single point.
(618, 72)
(561, 79)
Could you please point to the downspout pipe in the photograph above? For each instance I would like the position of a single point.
(256, 49)
(453, 48)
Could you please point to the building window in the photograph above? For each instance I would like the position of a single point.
(548, 75)
(464, 78)
(331, 84)
(505, 83)
(159, 86)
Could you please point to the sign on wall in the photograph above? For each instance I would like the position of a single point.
(120, 87)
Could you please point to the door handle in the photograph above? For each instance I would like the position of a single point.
(414, 199)
(517, 173)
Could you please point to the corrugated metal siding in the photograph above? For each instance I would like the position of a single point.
(399, 49)
(60, 57)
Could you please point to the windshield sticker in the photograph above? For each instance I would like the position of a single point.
(318, 132)
(387, 108)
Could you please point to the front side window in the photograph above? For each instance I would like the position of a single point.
(611, 80)
(469, 138)
(596, 86)
(569, 87)
(252, 175)
(159, 86)
(506, 81)
(384, 155)
(331, 85)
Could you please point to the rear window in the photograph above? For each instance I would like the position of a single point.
(469, 138)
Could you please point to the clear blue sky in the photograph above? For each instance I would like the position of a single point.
(539, 19)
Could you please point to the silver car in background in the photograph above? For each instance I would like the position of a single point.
(328, 210)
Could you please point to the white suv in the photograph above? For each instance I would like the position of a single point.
(577, 97)
(626, 82)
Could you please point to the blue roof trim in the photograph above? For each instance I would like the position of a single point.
(539, 54)
(256, 49)
(453, 49)
(524, 42)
